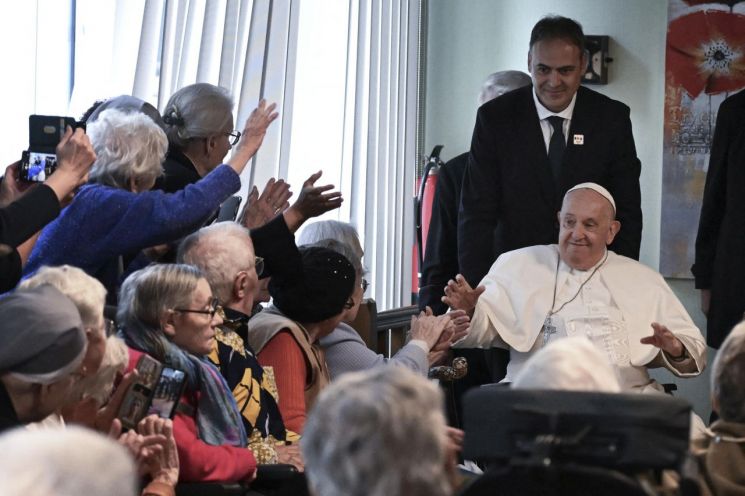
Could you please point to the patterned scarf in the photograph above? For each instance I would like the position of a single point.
(218, 419)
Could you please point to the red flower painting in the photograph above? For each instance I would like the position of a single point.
(706, 52)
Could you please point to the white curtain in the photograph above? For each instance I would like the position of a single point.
(158, 46)
(381, 142)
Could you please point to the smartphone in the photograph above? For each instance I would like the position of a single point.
(44, 134)
(229, 209)
(157, 391)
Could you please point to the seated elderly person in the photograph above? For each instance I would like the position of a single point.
(42, 347)
(199, 126)
(89, 296)
(69, 462)
(344, 348)
(379, 433)
(538, 294)
(721, 454)
(118, 215)
(571, 364)
(225, 255)
(307, 306)
(169, 313)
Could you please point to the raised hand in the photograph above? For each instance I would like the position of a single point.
(428, 328)
(311, 202)
(12, 187)
(161, 464)
(252, 135)
(260, 209)
(75, 156)
(459, 295)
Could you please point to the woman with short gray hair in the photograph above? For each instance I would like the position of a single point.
(199, 127)
(118, 215)
(378, 433)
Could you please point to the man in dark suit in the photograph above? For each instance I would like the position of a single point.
(720, 245)
(441, 253)
(531, 145)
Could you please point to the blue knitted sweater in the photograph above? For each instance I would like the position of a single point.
(103, 223)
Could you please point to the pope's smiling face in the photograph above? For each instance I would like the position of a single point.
(587, 226)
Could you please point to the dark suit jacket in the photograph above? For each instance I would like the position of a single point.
(441, 253)
(720, 244)
(508, 185)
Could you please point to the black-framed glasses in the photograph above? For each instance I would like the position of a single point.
(365, 285)
(259, 264)
(234, 137)
(214, 308)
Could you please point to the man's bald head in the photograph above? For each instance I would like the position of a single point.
(587, 225)
(499, 83)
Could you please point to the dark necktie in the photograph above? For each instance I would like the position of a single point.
(556, 146)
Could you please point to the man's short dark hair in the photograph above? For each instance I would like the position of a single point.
(558, 27)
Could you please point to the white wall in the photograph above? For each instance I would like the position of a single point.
(467, 40)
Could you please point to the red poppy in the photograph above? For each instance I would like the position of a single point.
(706, 52)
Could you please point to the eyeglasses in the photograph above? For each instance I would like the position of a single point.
(214, 308)
(259, 264)
(234, 136)
(365, 285)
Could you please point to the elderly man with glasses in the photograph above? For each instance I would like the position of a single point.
(225, 254)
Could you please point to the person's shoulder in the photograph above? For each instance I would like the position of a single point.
(508, 102)
(536, 252)
(596, 100)
(455, 166)
(734, 106)
(632, 268)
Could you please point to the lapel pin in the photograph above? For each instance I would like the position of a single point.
(579, 139)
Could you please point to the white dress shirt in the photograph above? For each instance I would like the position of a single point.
(544, 113)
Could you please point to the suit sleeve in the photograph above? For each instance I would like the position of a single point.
(30, 213)
(441, 255)
(624, 182)
(480, 200)
(276, 244)
(714, 203)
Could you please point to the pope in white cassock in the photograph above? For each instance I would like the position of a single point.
(534, 295)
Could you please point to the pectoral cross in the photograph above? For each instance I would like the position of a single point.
(548, 329)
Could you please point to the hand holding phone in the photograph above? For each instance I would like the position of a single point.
(156, 391)
(57, 143)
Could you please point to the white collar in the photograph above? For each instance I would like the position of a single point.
(564, 267)
(544, 113)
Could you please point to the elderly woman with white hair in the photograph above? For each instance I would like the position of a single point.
(570, 364)
(89, 296)
(379, 433)
(344, 348)
(117, 215)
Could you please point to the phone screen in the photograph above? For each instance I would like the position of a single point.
(37, 166)
(167, 392)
